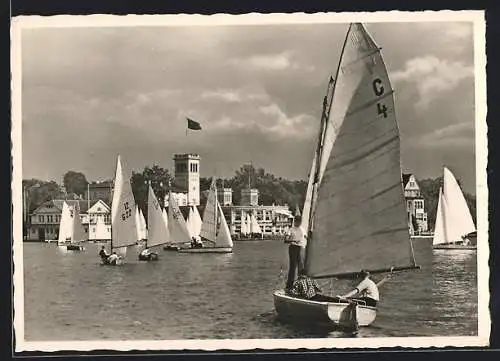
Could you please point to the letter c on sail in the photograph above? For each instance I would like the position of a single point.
(378, 89)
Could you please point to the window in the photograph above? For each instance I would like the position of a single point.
(40, 219)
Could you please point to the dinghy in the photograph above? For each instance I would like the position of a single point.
(177, 227)
(71, 231)
(123, 225)
(157, 228)
(354, 213)
(214, 230)
(454, 228)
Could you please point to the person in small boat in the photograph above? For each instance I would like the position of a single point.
(366, 289)
(296, 248)
(103, 254)
(147, 254)
(113, 258)
(305, 287)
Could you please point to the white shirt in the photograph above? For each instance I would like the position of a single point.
(298, 237)
(368, 288)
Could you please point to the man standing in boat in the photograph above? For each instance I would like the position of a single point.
(296, 249)
(367, 290)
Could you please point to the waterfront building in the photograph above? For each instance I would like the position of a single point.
(100, 190)
(415, 205)
(45, 220)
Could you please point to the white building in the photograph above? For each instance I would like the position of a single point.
(187, 176)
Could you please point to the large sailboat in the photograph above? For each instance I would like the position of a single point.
(158, 233)
(123, 225)
(71, 231)
(214, 232)
(454, 227)
(354, 212)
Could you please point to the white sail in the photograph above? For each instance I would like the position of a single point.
(157, 232)
(248, 223)
(209, 226)
(176, 222)
(244, 228)
(197, 222)
(223, 238)
(254, 225)
(439, 230)
(137, 220)
(458, 217)
(165, 217)
(65, 225)
(123, 221)
(144, 227)
(189, 222)
(360, 217)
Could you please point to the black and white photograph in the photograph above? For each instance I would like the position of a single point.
(234, 182)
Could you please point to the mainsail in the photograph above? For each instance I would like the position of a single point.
(144, 228)
(157, 232)
(137, 219)
(458, 217)
(209, 226)
(360, 217)
(65, 225)
(165, 217)
(439, 228)
(176, 222)
(123, 222)
(254, 225)
(223, 238)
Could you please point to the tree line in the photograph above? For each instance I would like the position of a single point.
(272, 189)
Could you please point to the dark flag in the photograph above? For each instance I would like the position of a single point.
(193, 125)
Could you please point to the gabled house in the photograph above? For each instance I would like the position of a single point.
(415, 205)
(45, 220)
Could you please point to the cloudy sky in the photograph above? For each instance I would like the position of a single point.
(91, 93)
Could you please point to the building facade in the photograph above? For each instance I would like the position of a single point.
(100, 190)
(187, 176)
(415, 205)
(45, 220)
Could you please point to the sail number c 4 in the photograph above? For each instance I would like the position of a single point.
(127, 212)
(378, 90)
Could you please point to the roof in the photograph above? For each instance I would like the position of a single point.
(105, 184)
(406, 178)
(58, 204)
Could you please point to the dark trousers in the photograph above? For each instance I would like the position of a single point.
(296, 263)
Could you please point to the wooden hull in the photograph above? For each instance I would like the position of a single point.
(71, 247)
(454, 247)
(151, 257)
(321, 314)
(207, 250)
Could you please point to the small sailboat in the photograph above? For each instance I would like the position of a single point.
(454, 227)
(123, 225)
(157, 228)
(177, 226)
(354, 214)
(71, 231)
(214, 230)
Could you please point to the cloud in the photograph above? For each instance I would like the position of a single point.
(459, 135)
(286, 126)
(271, 62)
(432, 76)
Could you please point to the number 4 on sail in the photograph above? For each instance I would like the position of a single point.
(354, 213)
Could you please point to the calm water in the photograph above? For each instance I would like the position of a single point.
(70, 296)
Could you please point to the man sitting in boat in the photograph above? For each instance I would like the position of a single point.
(367, 290)
(113, 258)
(297, 241)
(104, 255)
(147, 255)
(196, 243)
(305, 287)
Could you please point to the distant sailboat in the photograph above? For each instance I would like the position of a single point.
(158, 233)
(71, 231)
(454, 223)
(123, 225)
(177, 226)
(214, 229)
(355, 213)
